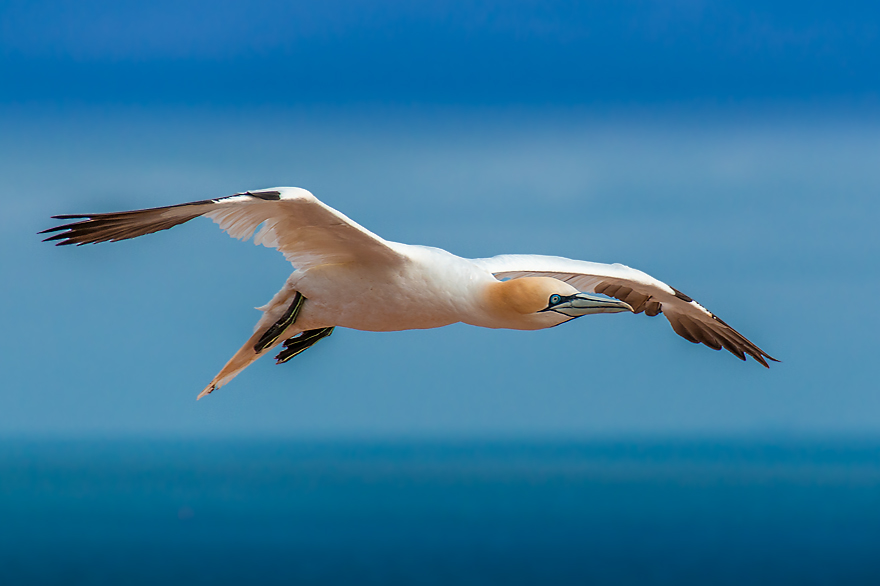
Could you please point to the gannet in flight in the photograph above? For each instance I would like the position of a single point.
(347, 276)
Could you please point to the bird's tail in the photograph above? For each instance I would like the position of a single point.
(246, 355)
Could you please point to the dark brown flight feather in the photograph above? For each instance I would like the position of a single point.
(716, 336)
(115, 226)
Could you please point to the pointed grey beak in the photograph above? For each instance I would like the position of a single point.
(582, 304)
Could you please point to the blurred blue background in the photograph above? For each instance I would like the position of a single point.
(731, 149)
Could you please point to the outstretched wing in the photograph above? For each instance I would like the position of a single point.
(644, 293)
(308, 232)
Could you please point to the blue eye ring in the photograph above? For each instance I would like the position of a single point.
(554, 299)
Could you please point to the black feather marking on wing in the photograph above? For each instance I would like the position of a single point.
(112, 227)
(115, 226)
(681, 295)
(721, 336)
(717, 337)
(266, 195)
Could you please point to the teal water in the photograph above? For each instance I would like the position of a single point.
(674, 512)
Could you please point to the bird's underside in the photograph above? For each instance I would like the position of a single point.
(313, 237)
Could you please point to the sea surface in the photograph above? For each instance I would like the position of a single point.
(555, 513)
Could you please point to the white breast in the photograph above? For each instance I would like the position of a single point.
(433, 288)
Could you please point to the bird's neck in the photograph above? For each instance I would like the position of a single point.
(520, 296)
(517, 304)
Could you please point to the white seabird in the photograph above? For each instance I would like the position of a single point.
(347, 276)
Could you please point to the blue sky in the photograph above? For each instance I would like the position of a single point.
(286, 53)
(729, 149)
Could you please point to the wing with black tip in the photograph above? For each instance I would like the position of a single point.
(644, 293)
(308, 232)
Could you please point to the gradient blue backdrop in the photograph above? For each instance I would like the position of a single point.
(731, 149)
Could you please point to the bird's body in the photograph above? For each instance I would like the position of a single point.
(427, 288)
(348, 277)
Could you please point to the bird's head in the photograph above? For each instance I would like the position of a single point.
(548, 300)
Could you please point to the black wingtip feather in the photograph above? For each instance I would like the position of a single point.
(269, 195)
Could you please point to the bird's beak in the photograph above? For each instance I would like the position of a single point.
(582, 304)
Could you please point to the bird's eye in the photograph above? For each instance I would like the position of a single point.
(554, 299)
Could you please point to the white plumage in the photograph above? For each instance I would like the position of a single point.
(347, 276)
